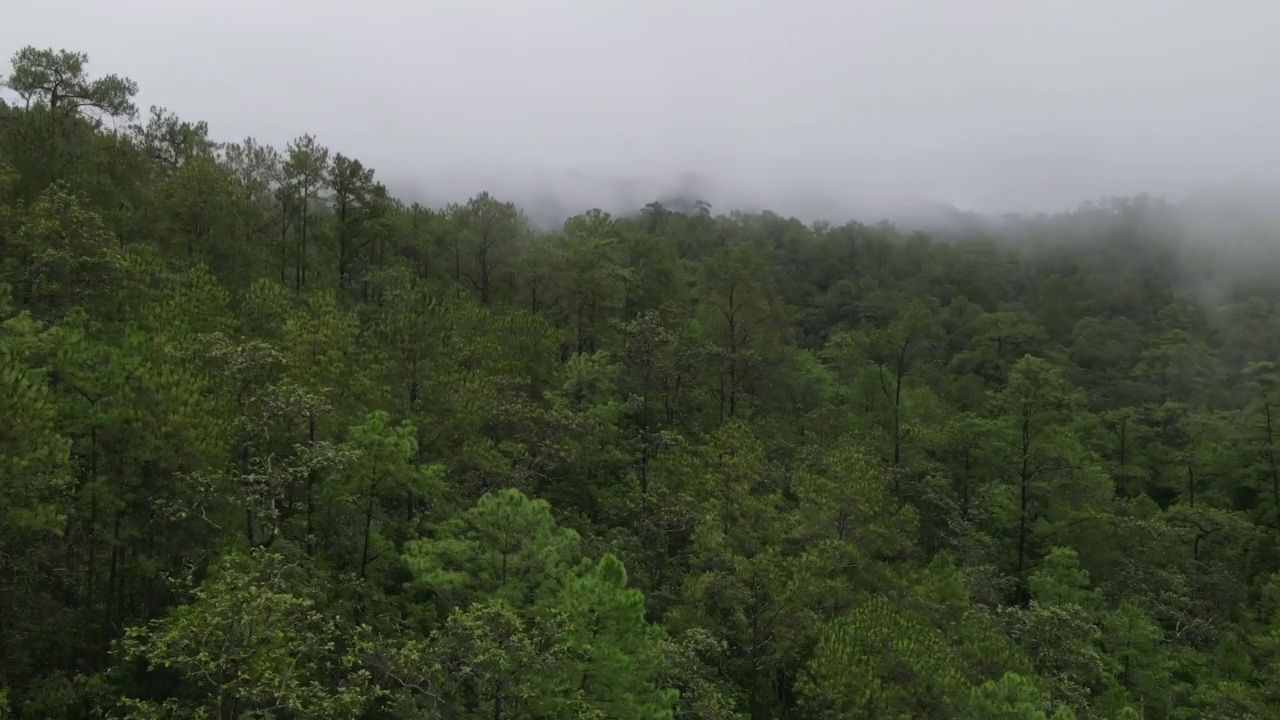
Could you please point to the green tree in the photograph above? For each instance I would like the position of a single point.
(305, 172)
(358, 203)
(387, 489)
(1012, 697)
(59, 80)
(876, 662)
(253, 640)
(535, 628)
(1055, 478)
(36, 493)
(483, 233)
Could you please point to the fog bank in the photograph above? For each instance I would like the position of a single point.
(811, 107)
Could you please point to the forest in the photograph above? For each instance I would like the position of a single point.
(277, 444)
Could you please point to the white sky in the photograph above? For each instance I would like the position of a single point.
(992, 104)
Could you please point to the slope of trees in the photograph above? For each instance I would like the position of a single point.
(276, 444)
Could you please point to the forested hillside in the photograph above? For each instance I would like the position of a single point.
(274, 443)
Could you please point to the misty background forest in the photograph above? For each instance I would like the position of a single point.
(277, 443)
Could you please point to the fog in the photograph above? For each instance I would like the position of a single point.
(812, 107)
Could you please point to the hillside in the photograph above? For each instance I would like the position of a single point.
(275, 443)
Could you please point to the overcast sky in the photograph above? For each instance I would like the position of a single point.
(993, 105)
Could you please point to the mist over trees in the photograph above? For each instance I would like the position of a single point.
(276, 442)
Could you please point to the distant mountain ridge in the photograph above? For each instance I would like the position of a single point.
(1246, 213)
(548, 198)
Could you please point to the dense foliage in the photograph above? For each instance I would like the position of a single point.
(276, 444)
